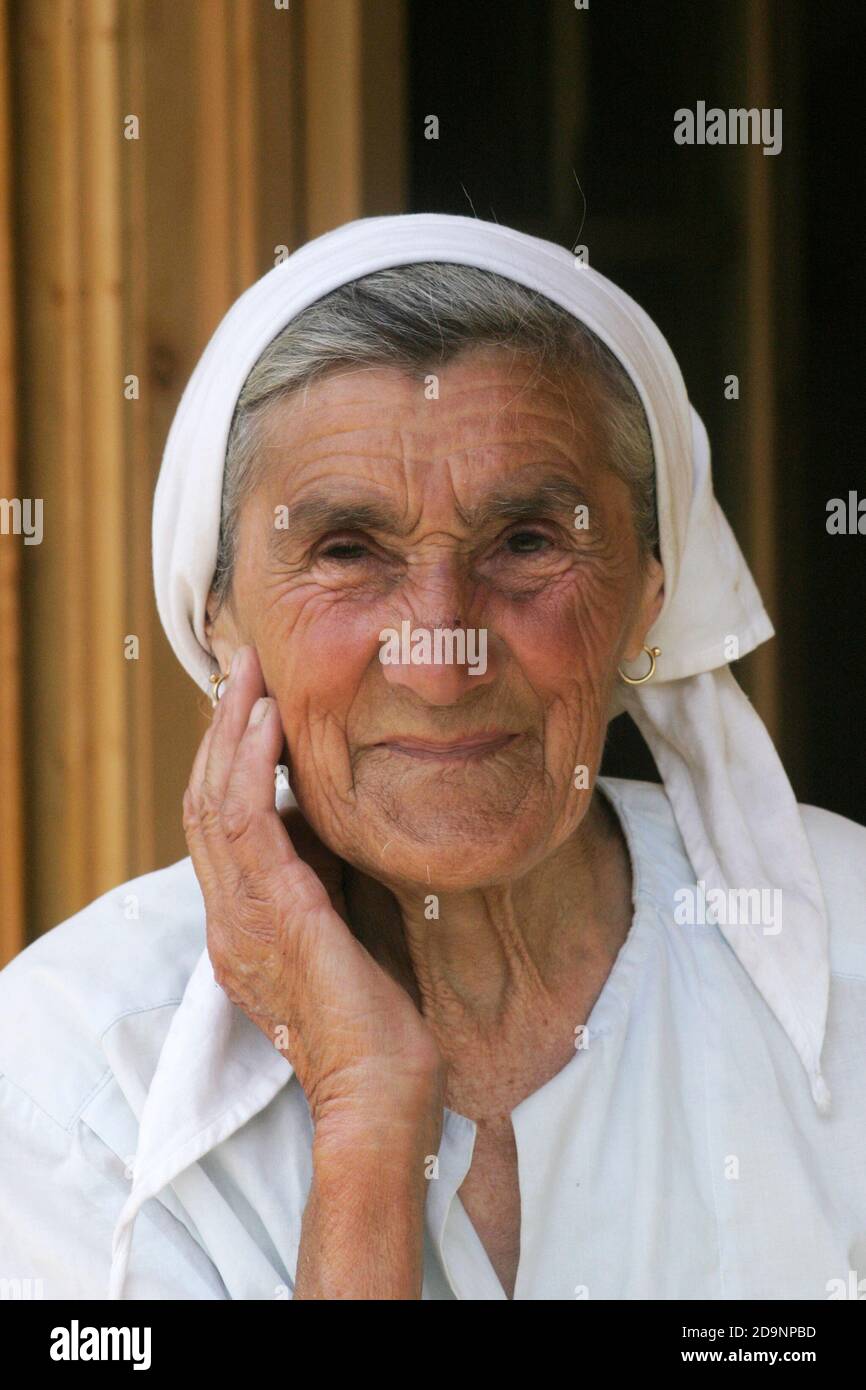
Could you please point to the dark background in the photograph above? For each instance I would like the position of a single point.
(534, 97)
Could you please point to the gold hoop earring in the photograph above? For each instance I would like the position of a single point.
(652, 653)
(217, 681)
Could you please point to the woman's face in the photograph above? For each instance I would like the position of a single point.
(388, 502)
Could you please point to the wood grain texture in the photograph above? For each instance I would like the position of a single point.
(11, 789)
(256, 128)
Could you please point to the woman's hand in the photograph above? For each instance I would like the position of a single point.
(281, 949)
(279, 946)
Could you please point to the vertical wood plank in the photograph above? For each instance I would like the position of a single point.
(355, 98)
(72, 346)
(129, 253)
(333, 35)
(245, 152)
(384, 108)
(54, 588)
(214, 204)
(143, 751)
(281, 123)
(103, 470)
(172, 262)
(11, 807)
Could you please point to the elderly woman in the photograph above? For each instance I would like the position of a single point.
(448, 1015)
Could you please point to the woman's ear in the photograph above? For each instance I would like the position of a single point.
(221, 630)
(655, 581)
(650, 606)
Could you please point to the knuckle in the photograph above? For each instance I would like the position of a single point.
(236, 821)
(190, 818)
(209, 815)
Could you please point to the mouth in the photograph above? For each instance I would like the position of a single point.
(455, 750)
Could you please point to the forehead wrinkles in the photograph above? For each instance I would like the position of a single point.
(469, 398)
(376, 446)
(379, 427)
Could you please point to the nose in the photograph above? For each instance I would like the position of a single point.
(439, 658)
(438, 662)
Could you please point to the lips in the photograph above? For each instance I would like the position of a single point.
(471, 746)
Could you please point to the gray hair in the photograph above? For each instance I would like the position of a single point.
(408, 317)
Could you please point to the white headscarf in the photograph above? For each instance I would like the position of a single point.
(732, 800)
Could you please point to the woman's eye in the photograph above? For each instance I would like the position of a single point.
(527, 542)
(345, 551)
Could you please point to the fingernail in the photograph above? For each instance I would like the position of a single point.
(259, 711)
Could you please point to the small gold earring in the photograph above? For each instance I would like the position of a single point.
(652, 653)
(217, 681)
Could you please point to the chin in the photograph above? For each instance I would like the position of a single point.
(444, 836)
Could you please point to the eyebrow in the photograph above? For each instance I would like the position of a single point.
(323, 512)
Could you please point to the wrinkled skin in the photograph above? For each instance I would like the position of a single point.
(323, 929)
(558, 617)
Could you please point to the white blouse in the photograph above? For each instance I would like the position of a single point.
(154, 1145)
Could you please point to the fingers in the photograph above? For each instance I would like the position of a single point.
(232, 814)
(202, 802)
(239, 845)
(250, 783)
(244, 686)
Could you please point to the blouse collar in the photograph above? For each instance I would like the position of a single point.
(216, 1069)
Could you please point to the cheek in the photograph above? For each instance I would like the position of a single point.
(565, 642)
(566, 638)
(314, 650)
(317, 649)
